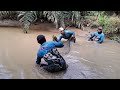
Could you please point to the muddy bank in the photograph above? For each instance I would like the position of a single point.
(86, 60)
(10, 23)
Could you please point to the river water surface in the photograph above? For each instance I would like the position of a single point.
(86, 60)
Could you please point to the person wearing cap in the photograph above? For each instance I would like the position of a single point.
(97, 36)
(46, 46)
(46, 50)
(66, 34)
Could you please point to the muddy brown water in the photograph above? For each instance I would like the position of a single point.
(86, 60)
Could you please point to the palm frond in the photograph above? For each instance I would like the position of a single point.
(8, 15)
(27, 19)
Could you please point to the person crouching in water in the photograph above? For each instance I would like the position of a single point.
(97, 36)
(48, 51)
(66, 34)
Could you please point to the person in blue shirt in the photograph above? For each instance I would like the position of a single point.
(45, 52)
(97, 36)
(66, 34)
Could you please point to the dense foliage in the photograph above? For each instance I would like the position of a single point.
(108, 19)
(59, 18)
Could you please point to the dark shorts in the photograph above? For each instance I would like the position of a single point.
(55, 65)
(72, 39)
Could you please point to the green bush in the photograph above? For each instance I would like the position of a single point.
(109, 24)
(115, 22)
(102, 20)
(94, 25)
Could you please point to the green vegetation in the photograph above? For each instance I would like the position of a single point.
(108, 19)
(109, 23)
(8, 15)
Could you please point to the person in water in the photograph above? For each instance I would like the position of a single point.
(66, 34)
(97, 36)
(48, 51)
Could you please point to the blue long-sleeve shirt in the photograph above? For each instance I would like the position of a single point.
(66, 35)
(100, 37)
(45, 47)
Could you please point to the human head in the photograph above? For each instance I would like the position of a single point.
(41, 39)
(61, 30)
(100, 30)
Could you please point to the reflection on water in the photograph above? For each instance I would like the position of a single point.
(86, 60)
(4, 74)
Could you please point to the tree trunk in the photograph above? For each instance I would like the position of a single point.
(62, 23)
